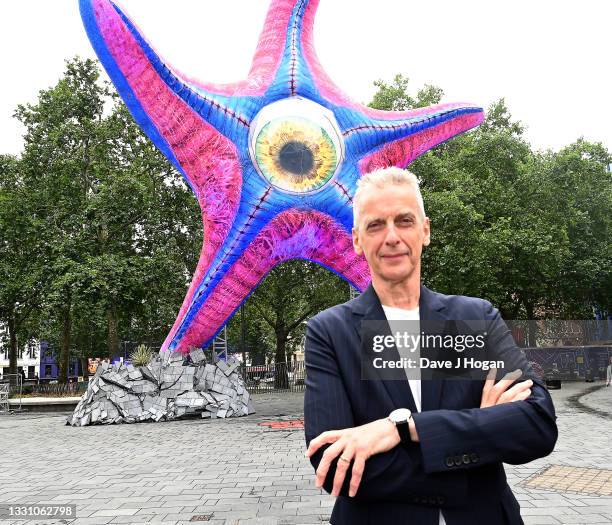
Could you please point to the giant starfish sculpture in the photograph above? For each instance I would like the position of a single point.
(273, 160)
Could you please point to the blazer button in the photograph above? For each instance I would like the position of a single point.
(441, 500)
(449, 462)
(424, 500)
(474, 457)
(458, 461)
(433, 500)
(466, 459)
(415, 499)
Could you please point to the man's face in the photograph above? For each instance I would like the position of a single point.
(391, 233)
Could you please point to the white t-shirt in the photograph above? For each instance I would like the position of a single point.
(400, 314)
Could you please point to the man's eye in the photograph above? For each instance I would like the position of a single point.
(406, 221)
(374, 226)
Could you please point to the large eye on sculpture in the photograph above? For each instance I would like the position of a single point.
(296, 145)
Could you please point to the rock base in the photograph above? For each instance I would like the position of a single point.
(163, 390)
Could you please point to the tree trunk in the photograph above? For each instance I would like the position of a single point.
(243, 335)
(82, 346)
(64, 357)
(531, 324)
(13, 349)
(113, 337)
(85, 368)
(281, 379)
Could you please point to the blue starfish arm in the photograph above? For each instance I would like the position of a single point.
(425, 126)
(273, 159)
(294, 76)
(124, 52)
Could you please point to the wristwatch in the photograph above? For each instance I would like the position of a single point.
(400, 418)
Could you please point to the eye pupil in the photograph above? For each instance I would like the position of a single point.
(295, 144)
(296, 158)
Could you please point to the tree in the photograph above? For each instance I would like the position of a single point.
(394, 96)
(583, 191)
(289, 295)
(120, 223)
(527, 230)
(22, 269)
(258, 338)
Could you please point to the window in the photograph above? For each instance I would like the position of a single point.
(32, 353)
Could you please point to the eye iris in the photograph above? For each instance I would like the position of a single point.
(296, 158)
(295, 154)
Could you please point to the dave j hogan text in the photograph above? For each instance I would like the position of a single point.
(426, 363)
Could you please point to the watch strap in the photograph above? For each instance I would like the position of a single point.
(404, 431)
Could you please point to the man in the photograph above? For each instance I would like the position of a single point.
(413, 452)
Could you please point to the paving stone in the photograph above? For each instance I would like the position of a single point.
(143, 467)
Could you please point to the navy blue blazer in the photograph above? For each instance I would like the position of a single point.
(457, 465)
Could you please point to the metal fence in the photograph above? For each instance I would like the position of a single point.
(288, 377)
(276, 377)
(11, 386)
(56, 389)
(4, 397)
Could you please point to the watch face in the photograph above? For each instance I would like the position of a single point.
(400, 415)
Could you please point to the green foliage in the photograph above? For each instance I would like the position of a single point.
(528, 230)
(395, 97)
(99, 235)
(22, 271)
(141, 356)
(277, 310)
(116, 232)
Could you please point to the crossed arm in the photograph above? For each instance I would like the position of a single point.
(515, 423)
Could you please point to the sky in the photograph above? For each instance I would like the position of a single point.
(550, 59)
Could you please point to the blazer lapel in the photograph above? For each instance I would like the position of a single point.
(367, 307)
(431, 308)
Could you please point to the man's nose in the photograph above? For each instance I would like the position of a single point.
(392, 237)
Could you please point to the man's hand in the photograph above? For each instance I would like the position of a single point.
(358, 444)
(498, 394)
(352, 444)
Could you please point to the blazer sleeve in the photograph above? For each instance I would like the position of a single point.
(396, 475)
(514, 433)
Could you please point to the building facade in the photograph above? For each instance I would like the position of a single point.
(28, 357)
(35, 360)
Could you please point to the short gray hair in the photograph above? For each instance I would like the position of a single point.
(382, 178)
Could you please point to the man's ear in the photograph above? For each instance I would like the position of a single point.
(356, 246)
(427, 232)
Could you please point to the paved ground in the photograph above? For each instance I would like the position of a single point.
(238, 472)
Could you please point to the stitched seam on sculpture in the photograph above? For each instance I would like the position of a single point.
(393, 127)
(232, 246)
(171, 79)
(229, 112)
(294, 53)
(345, 191)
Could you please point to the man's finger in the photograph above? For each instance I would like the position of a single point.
(491, 377)
(523, 395)
(514, 375)
(512, 393)
(502, 385)
(328, 456)
(331, 436)
(486, 389)
(357, 474)
(344, 464)
(507, 380)
(491, 393)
